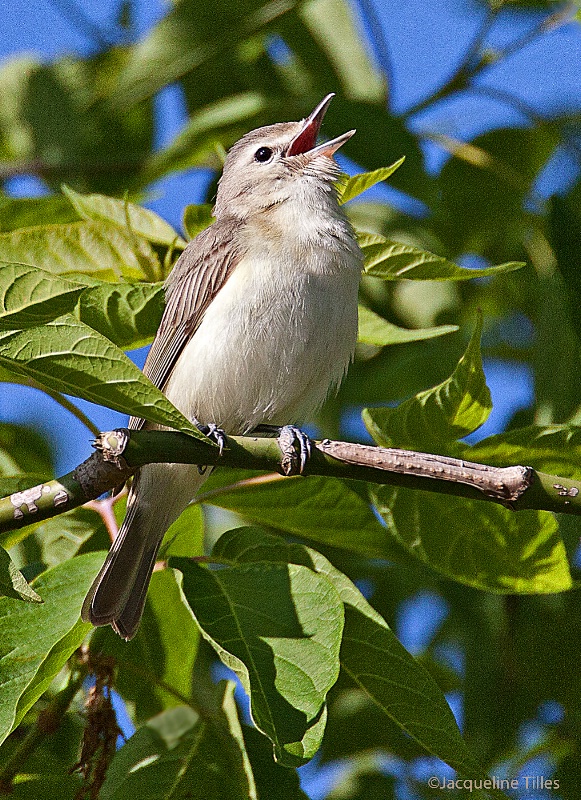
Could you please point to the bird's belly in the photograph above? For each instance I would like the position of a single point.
(269, 348)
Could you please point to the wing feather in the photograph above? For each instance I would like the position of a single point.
(199, 274)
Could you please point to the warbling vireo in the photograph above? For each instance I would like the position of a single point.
(260, 324)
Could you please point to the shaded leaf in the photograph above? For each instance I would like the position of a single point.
(370, 652)
(24, 212)
(393, 261)
(70, 357)
(23, 450)
(332, 24)
(375, 330)
(186, 38)
(279, 628)
(197, 218)
(223, 121)
(12, 582)
(381, 138)
(180, 755)
(153, 672)
(37, 640)
(128, 314)
(129, 216)
(325, 510)
(273, 781)
(485, 184)
(358, 184)
(30, 296)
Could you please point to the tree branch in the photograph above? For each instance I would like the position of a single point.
(120, 452)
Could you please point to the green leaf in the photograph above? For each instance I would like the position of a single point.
(554, 449)
(279, 628)
(57, 539)
(186, 536)
(333, 25)
(24, 212)
(479, 544)
(128, 314)
(484, 186)
(30, 296)
(222, 121)
(370, 652)
(95, 248)
(438, 416)
(273, 781)
(37, 640)
(381, 138)
(197, 218)
(68, 356)
(183, 40)
(128, 216)
(153, 672)
(358, 184)
(325, 510)
(24, 450)
(378, 663)
(181, 756)
(12, 582)
(393, 261)
(375, 330)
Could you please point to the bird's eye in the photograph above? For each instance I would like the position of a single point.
(263, 154)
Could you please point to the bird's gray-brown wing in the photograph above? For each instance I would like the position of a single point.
(199, 274)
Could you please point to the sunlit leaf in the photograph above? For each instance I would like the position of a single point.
(37, 640)
(68, 356)
(360, 183)
(129, 216)
(278, 626)
(439, 415)
(393, 261)
(479, 544)
(31, 296)
(98, 249)
(12, 582)
(375, 330)
(126, 313)
(370, 652)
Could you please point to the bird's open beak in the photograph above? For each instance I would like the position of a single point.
(306, 139)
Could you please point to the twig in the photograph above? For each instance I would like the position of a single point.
(121, 452)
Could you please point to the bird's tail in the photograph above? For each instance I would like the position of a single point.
(117, 596)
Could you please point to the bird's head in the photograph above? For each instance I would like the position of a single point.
(272, 164)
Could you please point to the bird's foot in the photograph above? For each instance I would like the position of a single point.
(295, 446)
(216, 434)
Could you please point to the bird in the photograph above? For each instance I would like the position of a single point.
(259, 327)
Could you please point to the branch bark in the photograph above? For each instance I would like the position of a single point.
(120, 453)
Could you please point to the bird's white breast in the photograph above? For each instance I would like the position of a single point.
(280, 333)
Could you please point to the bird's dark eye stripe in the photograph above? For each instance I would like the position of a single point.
(263, 154)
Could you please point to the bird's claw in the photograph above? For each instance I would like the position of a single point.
(295, 446)
(217, 435)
